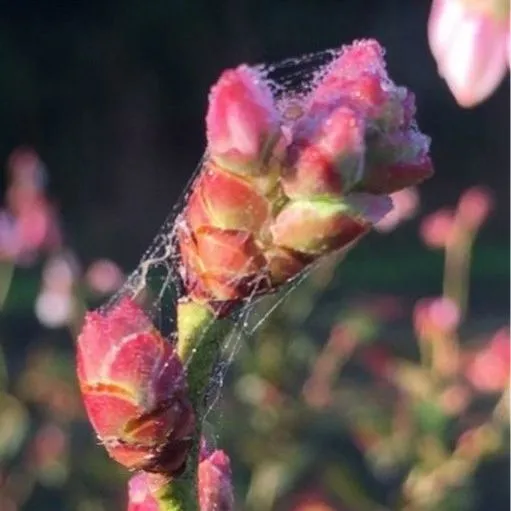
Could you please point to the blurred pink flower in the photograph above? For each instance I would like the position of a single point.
(488, 370)
(470, 42)
(24, 165)
(60, 272)
(474, 206)
(436, 229)
(436, 316)
(405, 204)
(104, 276)
(29, 223)
(55, 308)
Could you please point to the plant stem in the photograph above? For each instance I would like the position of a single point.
(200, 335)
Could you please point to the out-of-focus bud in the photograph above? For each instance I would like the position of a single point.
(104, 276)
(477, 442)
(405, 204)
(436, 230)
(55, 308)
(470, 42)
(134, 389)
(329, 155)
(215, 486)
(49, 454)
(139, 494)
(316, 227)
(434, 317)
(474, 207)
(243, 124)
(489, 369)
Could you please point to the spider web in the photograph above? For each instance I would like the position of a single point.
(156, 282)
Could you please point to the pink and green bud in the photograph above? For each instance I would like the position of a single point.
(134, 389)
(243, 123)
(215, 486)
(251, 225)
(469, 40)
(317, 227)
(327, 155)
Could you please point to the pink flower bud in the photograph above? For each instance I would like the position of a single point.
(215, 487)
(358, 76)
(469, 41)
(436, 316)
(328, 155)
(139, 494)
(104, 276)
(436, 229)
(243, 125)
(134, 389)
(316, 227)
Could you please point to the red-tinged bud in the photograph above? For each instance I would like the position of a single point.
(243, 123)
(365, 93)
(215, 487)
(397, 161)
(354, 60)
(358, 77)
(316, 227)
(139, 494)
(222, 264)
(134, 389)
(222, 199)
(328, 157)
